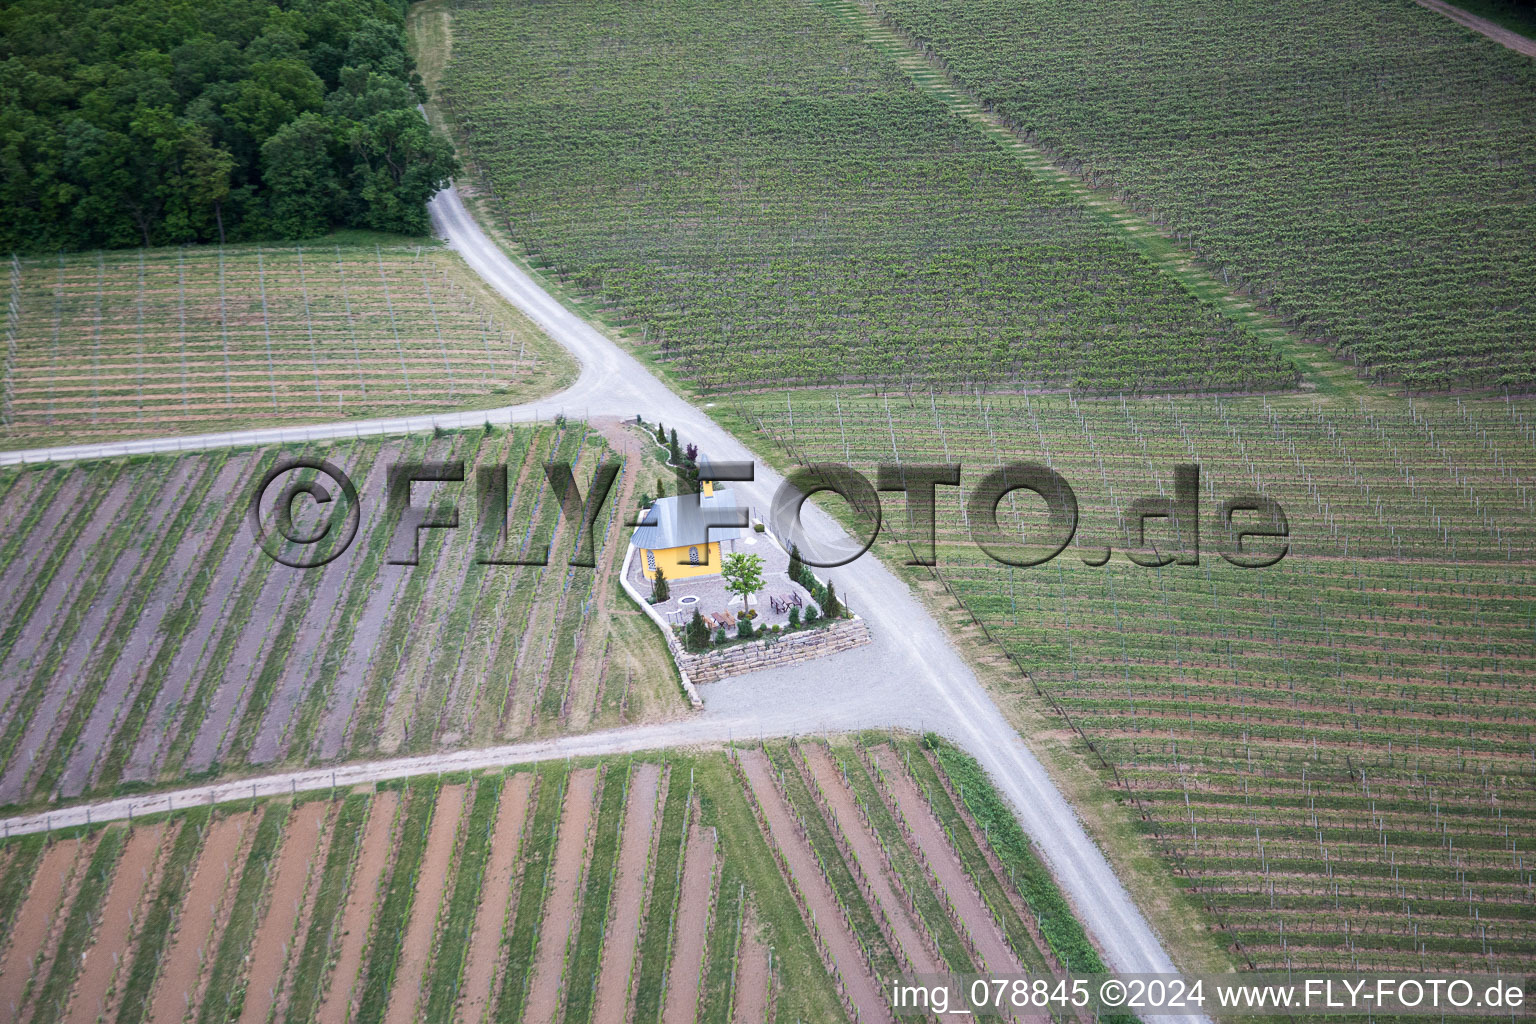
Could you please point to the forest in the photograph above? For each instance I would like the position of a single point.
(161, 122)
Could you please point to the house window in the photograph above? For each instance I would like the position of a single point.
(693, 556)
(650, 560)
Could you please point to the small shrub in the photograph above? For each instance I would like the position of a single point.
(720, 636)
(698, 633)
(660, 591)
(811, 614)
(744, 628)
(661, 433)
(794, 617)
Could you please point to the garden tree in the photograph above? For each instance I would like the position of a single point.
(796, 567)
(830, 606)
(794, 617)
(743, 574)
(660, 592)
(697, 635)
(154, 122)
(661, 433)
(672, 449)
(744, 629)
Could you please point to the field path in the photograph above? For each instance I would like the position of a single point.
(611, 1004)
(361, 896)
(563, 904)
(862, 989)
(695, 899)
(417, 947)
(30, 931)
(135, 869)
(181, 971)
(495, 899)
(303, 848)
(1498, 33)
(970, 913)
(870, 860)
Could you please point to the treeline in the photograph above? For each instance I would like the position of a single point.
(156, 122)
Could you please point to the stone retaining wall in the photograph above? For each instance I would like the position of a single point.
(712, 666)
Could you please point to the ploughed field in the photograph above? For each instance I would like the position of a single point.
(1334, 753)
(106, 346)
(1367, 170)
(764, 197)
(783, 883)
(147, 638)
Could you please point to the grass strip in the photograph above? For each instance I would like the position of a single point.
(538, 847)
(175, 628)
(319, 943)
(661, 909)
(160, 919)
(586, 961)
(991, 813)
(339, 642)
(724, 803)
(287, 634)
(454, 934)
(395, 910)
(717, 986)
(914, 881)
(866, 930)
(95, 571)
(973, 860)
(78, 929)
(226, 977)
(138, 597)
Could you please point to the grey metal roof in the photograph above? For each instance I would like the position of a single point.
(679, 521)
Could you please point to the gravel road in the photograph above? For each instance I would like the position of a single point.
(908, 677)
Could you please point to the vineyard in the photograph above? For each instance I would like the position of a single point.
(765, 199)
(1333, 754)
(782, 883)
(148, 638)
(1368, 171)
(132, 344)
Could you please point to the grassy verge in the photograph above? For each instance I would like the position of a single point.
(666, 880)
(319, 943)
(537, 851)
(975, 861)
(49, 1004)
(160, 919)
(226, 978)
(454, 934)
(395, 910)
(1029, 875)
(582, 974)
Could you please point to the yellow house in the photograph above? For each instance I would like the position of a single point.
(673, 536)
